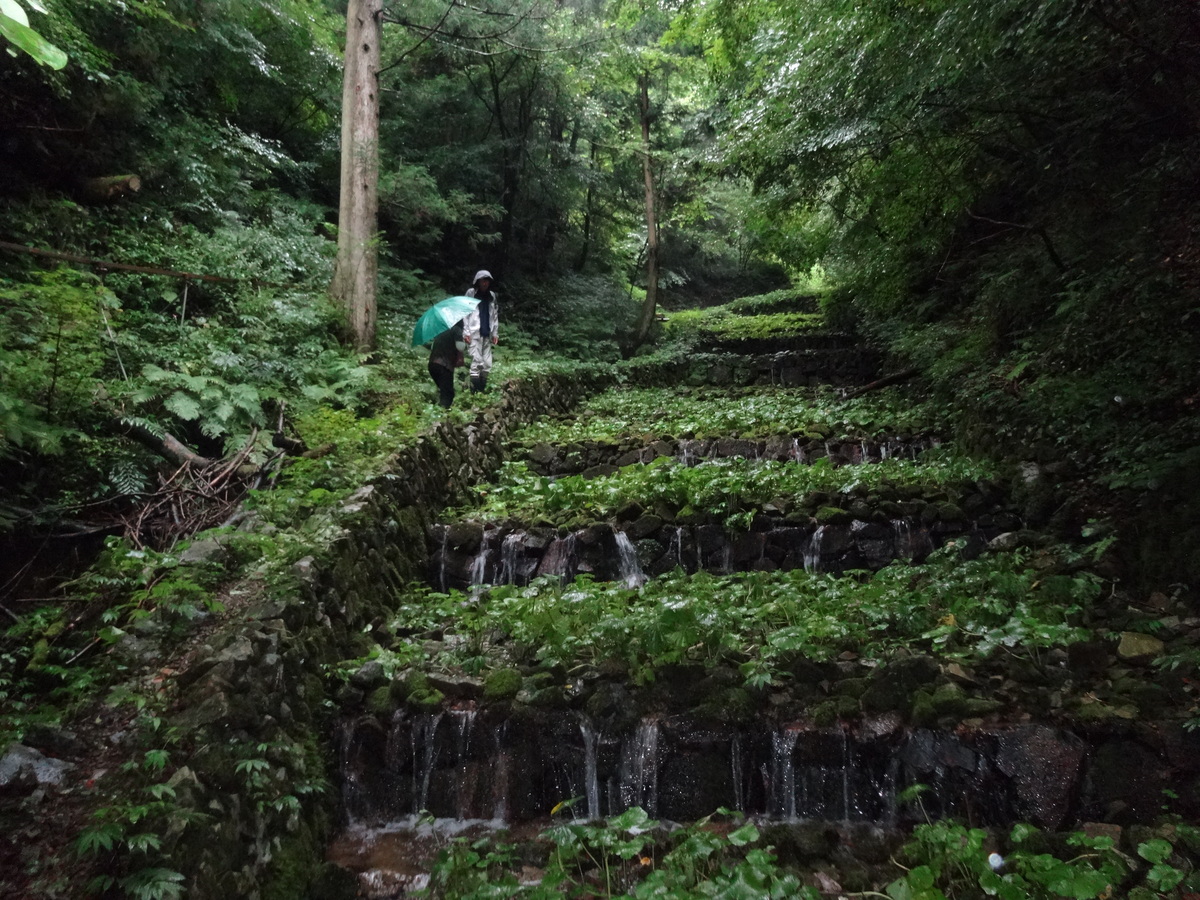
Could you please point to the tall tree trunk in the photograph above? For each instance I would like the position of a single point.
(354, 276)
(651, 303)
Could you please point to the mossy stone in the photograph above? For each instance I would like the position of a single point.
(832, 515)
(824, 713)
(851, 687)
(923, 712)
(733, 705)
(977, 707)
(502, 684)
(948, 700)
(379, 701)
(948, 512)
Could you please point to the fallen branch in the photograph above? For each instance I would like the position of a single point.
(895, 378)
(107, 187)
(164, 445)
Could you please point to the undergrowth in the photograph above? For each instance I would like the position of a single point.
(962, 609)
(727, 488)
(748, 412)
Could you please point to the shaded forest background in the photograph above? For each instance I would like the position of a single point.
(1003, 194)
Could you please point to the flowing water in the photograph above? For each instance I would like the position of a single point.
(629, 570)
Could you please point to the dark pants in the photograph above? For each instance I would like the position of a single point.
(444, 379)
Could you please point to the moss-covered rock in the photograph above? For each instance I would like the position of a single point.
(379, 701)
(501, 684)
(832, 515)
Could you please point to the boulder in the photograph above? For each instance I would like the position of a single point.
(1044, 765)
(1139, 648)
(22, 769)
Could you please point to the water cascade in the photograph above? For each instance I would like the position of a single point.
(478, 574)
(629, 571)
(812, 554)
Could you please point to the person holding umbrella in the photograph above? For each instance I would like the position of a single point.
(442, 326)
(481, 329)
(445, 355)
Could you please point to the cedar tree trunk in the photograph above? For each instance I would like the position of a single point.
(354, 276)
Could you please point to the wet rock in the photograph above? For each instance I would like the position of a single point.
(23, 769)
(612, 707)
(649, 551)
(544, 455)
(643, 527)
(661, 448)
(595, 534)
(630, 511)
(1125, 782)
(927, 752)
(464, 537)
(202, 551)
(456, 687)
(1044, 765)
(1139, 648)
(369, 675)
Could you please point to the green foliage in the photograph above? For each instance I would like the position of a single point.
(724, 487)
(14, 26)
(720, 323)
(966, 610)
(626, 857)
(54, 352)
(951, 861)
(788, 300)
(747, 413)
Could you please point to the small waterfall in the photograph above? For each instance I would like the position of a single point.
(500, 782)
(737, 764)
(847, 769)
(478, 575)
(629, 571)
(903, 531)
(441, 576)
(812, 554)
(510, 558)
(687, 452)
(559, 558)
(783, 774)
(677, 546)
(424, 757)
(798, 454)
(639, 768)
(464, 783)
(591, 777)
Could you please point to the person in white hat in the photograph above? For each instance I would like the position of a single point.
(481, 329)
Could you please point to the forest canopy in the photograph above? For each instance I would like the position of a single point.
(1000, 193)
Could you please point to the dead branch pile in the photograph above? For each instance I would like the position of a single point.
(193, 498)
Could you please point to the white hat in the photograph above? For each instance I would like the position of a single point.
(482, 273)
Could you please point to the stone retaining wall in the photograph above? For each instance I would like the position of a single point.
(258, 687)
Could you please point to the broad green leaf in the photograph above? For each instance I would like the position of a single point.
(31, 42)
(747, 834)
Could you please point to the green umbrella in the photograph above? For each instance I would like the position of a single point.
(441, 316)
